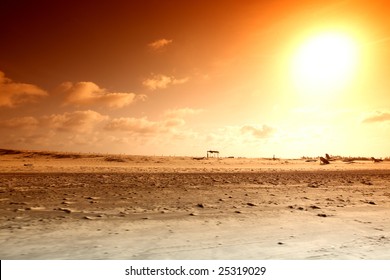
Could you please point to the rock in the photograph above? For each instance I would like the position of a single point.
(67, 210)
(251, 204)
(322, 215)
(88, 218)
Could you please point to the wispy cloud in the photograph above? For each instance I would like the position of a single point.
(90, 123)
(13, 94)
(378, 116)
(88, 93)
(263, 132)
(132, 125)
(232, 139)
(182, 112)
(162, 81)
(78, 121)
(171, 125)
(159, 44)
(143, 126)
(53, 131)
(20, 123)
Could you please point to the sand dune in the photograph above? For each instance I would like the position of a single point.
(84, 206)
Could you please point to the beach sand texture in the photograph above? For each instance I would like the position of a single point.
(85, 206)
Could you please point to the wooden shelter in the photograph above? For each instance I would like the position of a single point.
(212, 154)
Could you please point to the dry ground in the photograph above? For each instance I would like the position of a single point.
(63, 206)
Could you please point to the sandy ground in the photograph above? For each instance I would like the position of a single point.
(63, 206)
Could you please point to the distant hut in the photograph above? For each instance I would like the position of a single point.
(212, 154)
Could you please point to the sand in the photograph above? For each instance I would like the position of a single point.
(84, 206)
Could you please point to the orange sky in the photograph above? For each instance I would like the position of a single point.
(183, 77)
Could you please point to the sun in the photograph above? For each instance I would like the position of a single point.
(325, 63)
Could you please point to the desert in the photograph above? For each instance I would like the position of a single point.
(98, 206)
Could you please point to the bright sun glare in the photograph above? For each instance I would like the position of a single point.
(325, 63)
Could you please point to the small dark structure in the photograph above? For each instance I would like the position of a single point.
(376, 159)
(212, 154)
(324, 161)
(198, 158)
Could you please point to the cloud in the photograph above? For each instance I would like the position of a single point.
(13, 94)
(143, 126)
(377, 117)
(264, 132)
(173, 123)
(237, 137)
(78, 121)
(161, 81)
(20, 123)
(159, 44)
(88, 93)
(53, 131)
(182, 112)
(74, 127)
(133, 125)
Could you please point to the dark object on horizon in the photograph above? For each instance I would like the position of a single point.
(198, 158)
(215, 153)
(376, 159)
(9, 152)
(324, 161)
